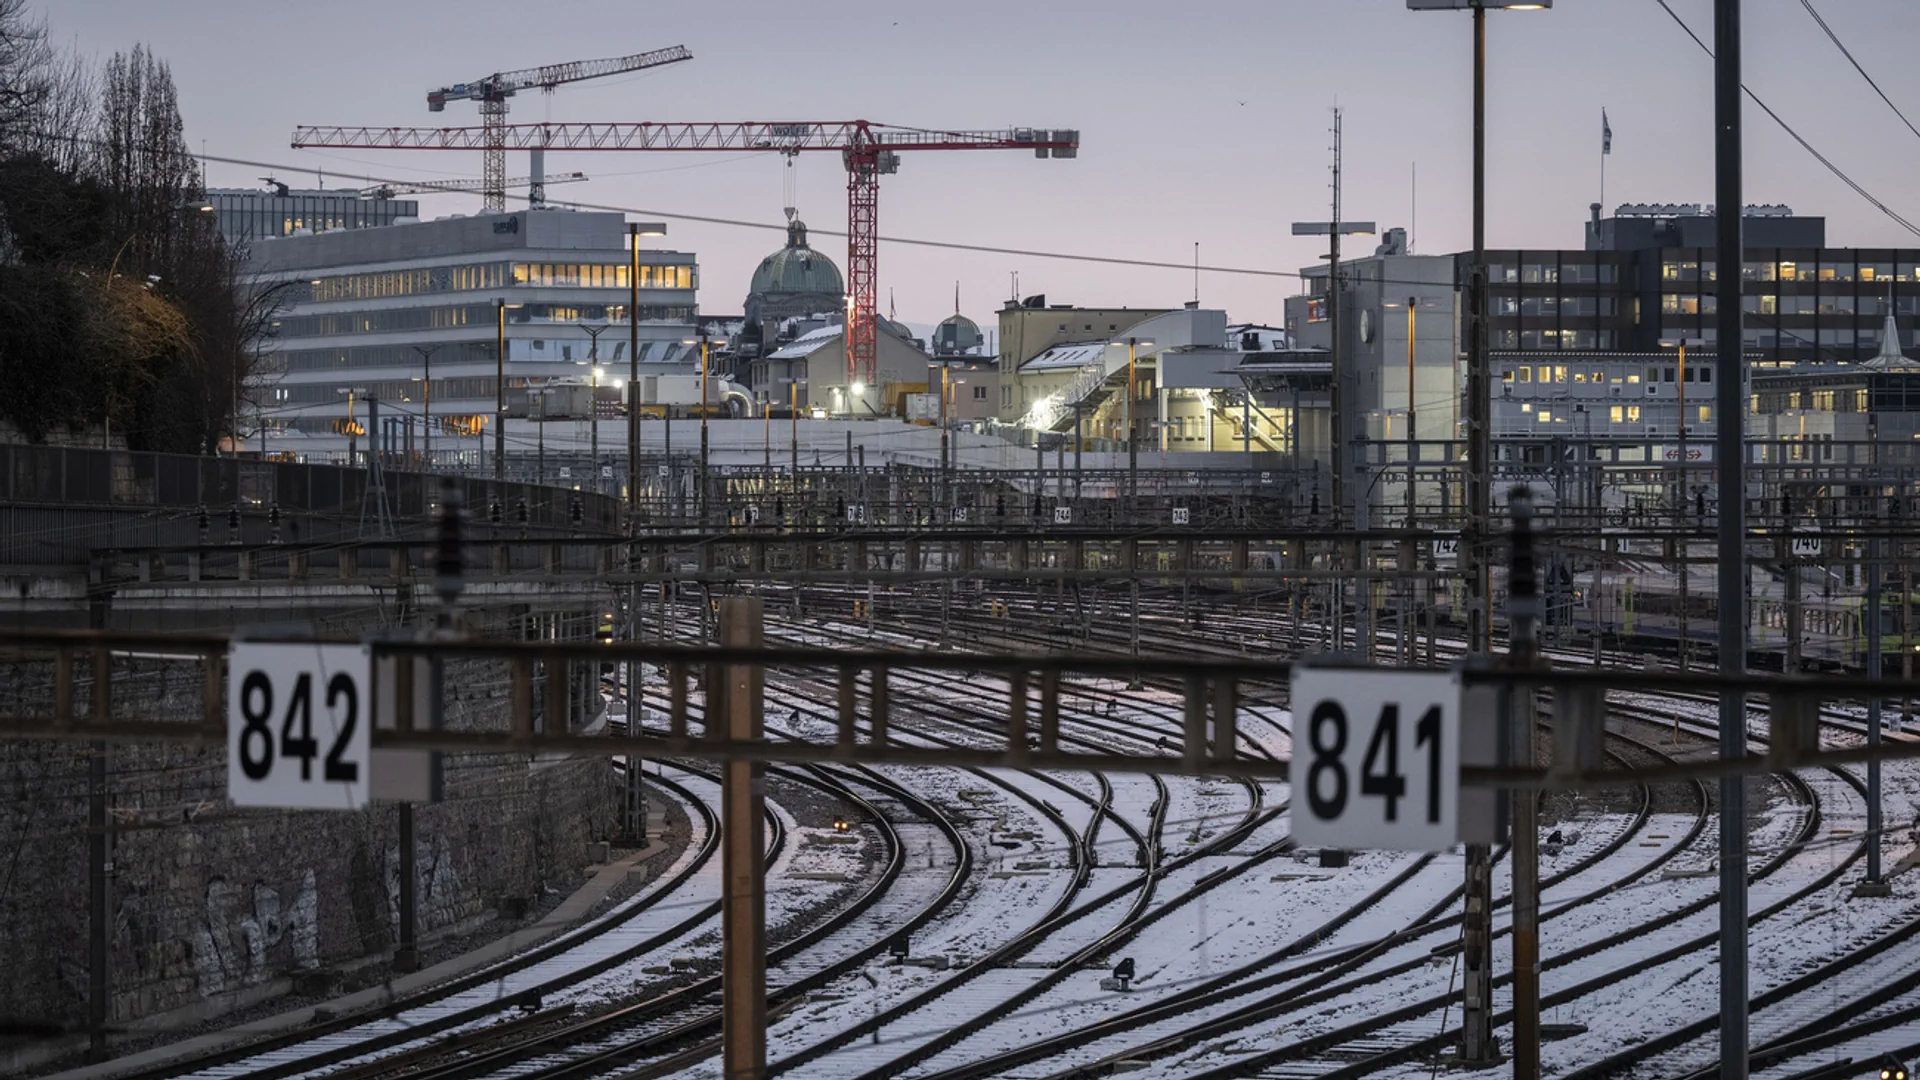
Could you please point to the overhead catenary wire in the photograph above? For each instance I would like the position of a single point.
(1848, 53)
(1795, 135)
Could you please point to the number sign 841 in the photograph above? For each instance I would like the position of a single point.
(1376, 759)
(297, 725)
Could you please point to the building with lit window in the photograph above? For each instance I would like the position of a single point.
(1648, 275)
(410, 314)
(245, 215)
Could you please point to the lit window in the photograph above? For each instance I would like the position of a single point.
(1560, 373)
(1617, 414)
(1633, 378)
(1525, 373)
(1507, 375)
(1706, 413)
(1546, 373)
(1633, 414)
(1546, 417)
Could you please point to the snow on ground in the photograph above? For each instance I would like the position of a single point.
(701, 888)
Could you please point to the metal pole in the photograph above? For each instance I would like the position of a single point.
(99, 918)
(426, 401)
(1412, 448)
(500, 390)
(1476, 1027)
(1335, 429)
(793, 426)
(407, 957)
(633, 370)
(743, 980)
(1523, 610)
(703, 426)
(1873, 883)
(943, 426)
(1731, 406)
(1133, 449)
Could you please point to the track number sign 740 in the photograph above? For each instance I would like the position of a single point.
(1376, 758)
(298, 718)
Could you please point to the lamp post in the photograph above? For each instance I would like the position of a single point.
(593, 333)
(500, 390)
(1476, 1030)
(793, 423)
(426, 401)
(633, 369)
(1680, 480)
(1133, 449)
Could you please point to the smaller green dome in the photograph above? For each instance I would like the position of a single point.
(955, 335)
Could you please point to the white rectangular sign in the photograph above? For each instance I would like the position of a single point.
(1448, 548)
(1376, 759)
(1063, 515)
(1182, 516)
(298, 718)
(1806, 547)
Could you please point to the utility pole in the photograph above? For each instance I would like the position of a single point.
(1523, 615)
(1333, 230)
(426, 402)
(500, 390)
(1731, 405)
(633, 373)
(743, 907)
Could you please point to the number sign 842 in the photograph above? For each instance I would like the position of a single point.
(1376, 760)
(297, 725)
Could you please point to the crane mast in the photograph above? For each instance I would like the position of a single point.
(493, 91)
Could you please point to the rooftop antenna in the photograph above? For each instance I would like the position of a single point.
(1413, 206)
(956, 298)
(1196, 273)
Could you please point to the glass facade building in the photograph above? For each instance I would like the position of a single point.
(244, 214)
(1645, 278)
(410, 314)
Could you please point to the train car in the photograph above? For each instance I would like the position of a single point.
(1638, 605)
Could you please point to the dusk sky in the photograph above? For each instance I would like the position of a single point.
(1201, 121)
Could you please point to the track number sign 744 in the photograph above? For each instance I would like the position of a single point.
(1376, 759)
(298, 718)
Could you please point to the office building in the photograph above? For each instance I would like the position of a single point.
(245, 215)
(410, 313)
(1647, 275)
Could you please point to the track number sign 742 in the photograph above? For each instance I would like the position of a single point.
(298, 718)
(1376, 759)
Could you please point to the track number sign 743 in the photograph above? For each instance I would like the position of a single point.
(1376, 759)
(298, 718)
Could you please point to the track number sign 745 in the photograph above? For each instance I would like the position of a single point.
(1376, 759)
(298, 718)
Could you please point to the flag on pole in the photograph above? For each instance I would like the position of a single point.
(1606, 134)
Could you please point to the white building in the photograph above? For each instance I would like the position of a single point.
(410, 313)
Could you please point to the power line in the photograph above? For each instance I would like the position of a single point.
(1788, 128)
(1844, 51)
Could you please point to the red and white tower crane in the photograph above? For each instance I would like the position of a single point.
(868, 150)
(493, 91)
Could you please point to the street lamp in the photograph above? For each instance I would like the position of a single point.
(426, 401)
(593, 333)
(1476, 1032)
(793, 422)
(1133, 450)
